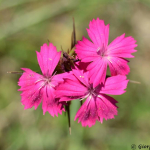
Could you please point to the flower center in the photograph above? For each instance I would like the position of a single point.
(47, 80)
(92, 91)
(44, 81)
(101, 51)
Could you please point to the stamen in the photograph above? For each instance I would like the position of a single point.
(99, 96)
(53, 75)
(42, 86)
(85, 97)
(90, 97)
(39, 80)
(98, 49)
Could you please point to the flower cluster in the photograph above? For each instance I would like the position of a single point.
(81, 76)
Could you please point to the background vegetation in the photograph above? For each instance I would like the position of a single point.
(24, 26)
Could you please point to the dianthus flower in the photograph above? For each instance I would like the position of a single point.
(100, 54)
(98, 105)
(38, 88)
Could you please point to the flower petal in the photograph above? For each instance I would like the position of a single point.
(86, 50)
(83, 77)
(48, 58)
(118, 66)
(71, 87)
(96, 108)
(50, 103)
(106, 107)
(122, 47)
(58, 78)
(87, 114)
(98, 32)
(115, 85)
(31, 89)
(97, 71)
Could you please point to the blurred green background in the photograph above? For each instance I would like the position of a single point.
(24, 26)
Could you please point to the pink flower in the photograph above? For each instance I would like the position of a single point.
(36, 88)
(98, 105)
(100, 54)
